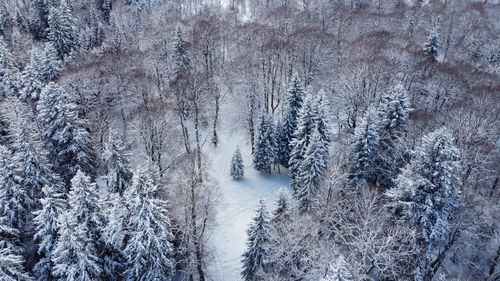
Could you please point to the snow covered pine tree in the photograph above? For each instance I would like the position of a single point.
(264, 147)
(237, 171)
(254, 258)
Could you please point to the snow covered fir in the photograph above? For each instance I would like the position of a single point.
(254, 140)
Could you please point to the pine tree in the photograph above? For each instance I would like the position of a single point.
(264, 146)
(8, 73)
(281, 143)
(5, 18)
(237, 171)
(32, 86)
(62, 30)
(148, 249)
(32, 159)
(291, 110)
(427, 192)
(310, 171)
(365, 147)
(394, 110)
(432, 45)
(53, 204)
(393, 114)
(65, 132)
(119, 174)
(322, 119)
(38, 22)
(283, 207)
(48, 64)
(114, 237)
(13, 197)
(106, 7)
(301, 138)
(181, 56)
(256, 255)
(11, 260)
(76, 255)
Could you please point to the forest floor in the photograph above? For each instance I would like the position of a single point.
(237, 202)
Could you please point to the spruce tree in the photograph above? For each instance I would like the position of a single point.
(14, 198)
(310, 171)
(106, 7)
(148, 249)
(53, 204)
(291, 110)
(181, 56)
(283, 205)
(38, 22)
(237, 169)
(393, 114)
(65, 132)
(76, 255)
(432, 45)
(5, 18)
(63, 33)
(8, 73)
(11, 259)
(114, 237)
(31, 157)
(119, 175)
(365, 147)
(48, 64)
(301, 138)
(264, 146)
(394, 110)
(322, 119)
(32, 86)
(255, 258)
(427, 193)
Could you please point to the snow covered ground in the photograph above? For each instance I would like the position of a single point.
(237, 203)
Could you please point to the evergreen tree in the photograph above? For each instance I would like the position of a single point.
(255, 258)
(264, 146)
(148, 249)
(114, 237)
(63, 33)
(301, 138)
(310, 171)
(281, 144)
(365, 147)
(393, 114)
(65, 132)
(5, 18)
(291, 110)
(38, 21)
(106, 7)
(53, 204)
(394, 110)
(283, 207)
(181, 56)
(31, 157)
(432, 45)
(13, 197)
(76, 255)
(426, 194)
(32, 86)
(48, 64)
(119, 174)
(11, 260)
(322, 119)
(8, 73)
(237, 171)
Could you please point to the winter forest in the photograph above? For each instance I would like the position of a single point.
(226, 140)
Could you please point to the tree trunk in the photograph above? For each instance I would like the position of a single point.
(215, 139)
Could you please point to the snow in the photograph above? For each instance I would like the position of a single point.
(238, 201)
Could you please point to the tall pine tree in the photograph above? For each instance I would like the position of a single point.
(365, 147)
(291, 110)
(11, 261)
(53, 204)
(301, 138)
(426, 194)
(76, 256)
(65, 132)
(148, 249)
(119, 175)
(432, 45)
(237, 169)
(264, 146)
(63, 33)
(255, 257)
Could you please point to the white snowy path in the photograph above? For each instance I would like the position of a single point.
(237, 204)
